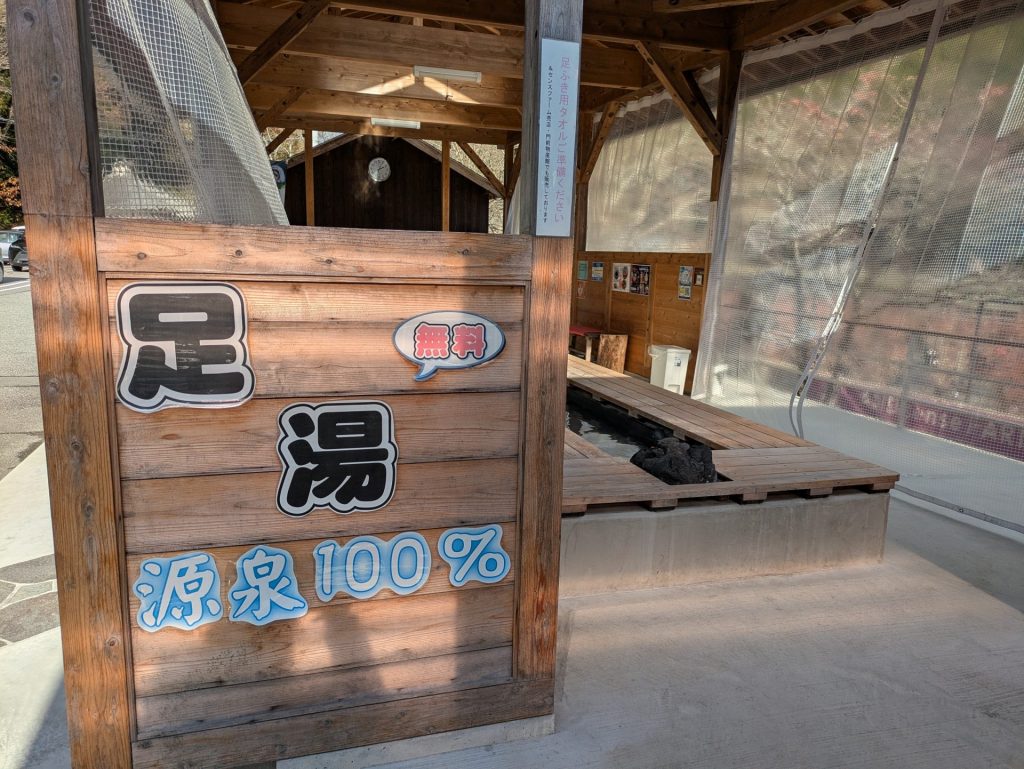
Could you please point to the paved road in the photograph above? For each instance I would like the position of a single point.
(21, 423)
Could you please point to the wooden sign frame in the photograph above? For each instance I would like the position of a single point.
(97, 454)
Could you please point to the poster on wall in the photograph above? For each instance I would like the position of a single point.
(640, 279)
(620, 276)
(685, 288)
(597, 271)
(581, 270)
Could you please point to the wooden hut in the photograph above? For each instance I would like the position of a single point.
(387, 183)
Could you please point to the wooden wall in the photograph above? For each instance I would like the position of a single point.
(658, 318)
(409, 200)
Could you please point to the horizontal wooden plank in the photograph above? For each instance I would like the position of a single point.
(219, 510)
(299, 302)
(428, 428)
(226, 559)
(325, 690)
(316, 104)
(336, 338)
(579, 446)
(339, 635)
(133, 246)
(298, 360)
(289, 71)
(281, 738)
(689, 417)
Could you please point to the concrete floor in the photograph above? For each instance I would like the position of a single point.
(917, 662)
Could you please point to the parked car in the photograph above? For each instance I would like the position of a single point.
(6, 238)
(18, 253)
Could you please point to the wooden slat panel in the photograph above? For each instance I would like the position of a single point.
(219, 510)
(348, 359)
(178, 442)
(130, 246)
(286, 737)
(221, 706)
(340, 635)
(305, 566)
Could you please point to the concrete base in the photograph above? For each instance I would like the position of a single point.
(424, 747)
(631, 549)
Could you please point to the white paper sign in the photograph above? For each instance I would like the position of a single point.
(558, 99)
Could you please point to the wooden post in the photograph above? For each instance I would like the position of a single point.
(446, 185)
(537, 617)
(728, 85)
(310, 181)
(50, 60)
(559, 20)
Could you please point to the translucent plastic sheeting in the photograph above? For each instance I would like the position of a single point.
(177, 139)
(924, 372)
(650, 187)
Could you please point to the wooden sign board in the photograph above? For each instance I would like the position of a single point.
(282, 526)
(315, 533)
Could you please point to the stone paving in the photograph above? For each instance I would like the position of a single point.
(28, 599)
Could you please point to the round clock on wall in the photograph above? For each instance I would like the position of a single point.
(380, 170)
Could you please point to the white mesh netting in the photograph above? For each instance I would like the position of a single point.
(914, 328)
(177, 139)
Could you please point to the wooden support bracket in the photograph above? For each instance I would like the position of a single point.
(683, 88)
(292, 27)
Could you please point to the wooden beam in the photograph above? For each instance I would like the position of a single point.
(684, 91)
(406, 46)
(446, 185)
(484, 168)
(266, 118)
(430, 131)
(330, 104)
(310, 181)
(604, 128)
(311, 72)
(681, 6)
(284, 33)
(50, 58)
(728, 87)
(766, 23)
(280, 139)
(617, 21)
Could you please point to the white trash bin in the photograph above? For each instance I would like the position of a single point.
(668, 369)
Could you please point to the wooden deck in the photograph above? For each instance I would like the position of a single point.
(754, 460)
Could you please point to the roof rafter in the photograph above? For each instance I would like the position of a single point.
(289, 29)
(288, 71)
(425, 131)
(620, 21)
(329, 104)
(339, 37)
(766, 23)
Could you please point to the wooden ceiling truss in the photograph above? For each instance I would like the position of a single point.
(336, 66)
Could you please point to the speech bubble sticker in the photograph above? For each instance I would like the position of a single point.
(448, 340)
